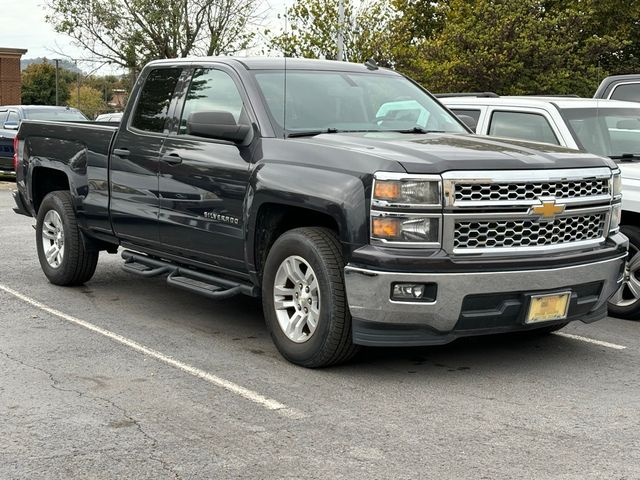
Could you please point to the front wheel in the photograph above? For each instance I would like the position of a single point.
(625, 303)
(64, 256)
(304, 298)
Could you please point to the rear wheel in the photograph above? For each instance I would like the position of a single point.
(304, 299)
(64, 256)
(625, 303)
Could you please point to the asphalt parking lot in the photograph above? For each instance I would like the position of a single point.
(129, 378)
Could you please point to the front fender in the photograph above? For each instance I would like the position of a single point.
(338, 194)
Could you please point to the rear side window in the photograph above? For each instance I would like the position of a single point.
(523, 126)
(153, 104)
(3, 117)
(629, 92)
(475, 114)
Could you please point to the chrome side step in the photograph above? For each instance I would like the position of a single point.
(205, 284)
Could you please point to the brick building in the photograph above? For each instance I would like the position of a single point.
(10, 79)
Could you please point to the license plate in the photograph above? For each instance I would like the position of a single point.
(545, 308)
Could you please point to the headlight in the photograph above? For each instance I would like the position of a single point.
(616, 183)
(616, 216)
(391, 189)
(405, 228)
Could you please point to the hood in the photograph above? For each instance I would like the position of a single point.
(438, 153)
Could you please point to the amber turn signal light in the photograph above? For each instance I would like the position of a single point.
(387, 190)
(385, 227)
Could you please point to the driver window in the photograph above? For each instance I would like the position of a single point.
(212, 90)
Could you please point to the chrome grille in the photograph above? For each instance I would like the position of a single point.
(526, 233)
(482, 192)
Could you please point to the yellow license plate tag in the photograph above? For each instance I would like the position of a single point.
(545, 308)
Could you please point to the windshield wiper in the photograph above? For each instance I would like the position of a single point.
(416, 130)
(626, 157)
(311, 133)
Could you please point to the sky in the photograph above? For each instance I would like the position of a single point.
(24, 26)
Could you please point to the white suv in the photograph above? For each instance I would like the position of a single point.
(609, 128)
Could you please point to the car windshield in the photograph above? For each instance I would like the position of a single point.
(346, 101)
(611, 132)
(59, 114)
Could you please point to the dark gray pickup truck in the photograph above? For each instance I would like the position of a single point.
(355, 205)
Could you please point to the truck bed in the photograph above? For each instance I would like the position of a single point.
(81, 149)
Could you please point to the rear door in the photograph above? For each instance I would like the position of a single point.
(203, 181)
(135, 156)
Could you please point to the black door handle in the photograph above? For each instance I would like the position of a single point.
(121, 152)
(172, 158)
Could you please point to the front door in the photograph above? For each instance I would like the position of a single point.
(134, 160)
(203, 182)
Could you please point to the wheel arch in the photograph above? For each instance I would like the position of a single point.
(283, 197)
(44, 180)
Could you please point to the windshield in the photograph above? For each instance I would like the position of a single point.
(58, 114)
(326, 100)
(611, 132)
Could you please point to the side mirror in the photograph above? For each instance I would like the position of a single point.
(11, 126)
(469, 122)
(218, 125)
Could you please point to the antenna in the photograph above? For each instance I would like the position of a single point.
(284, 99)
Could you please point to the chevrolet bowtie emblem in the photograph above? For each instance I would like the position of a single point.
(547, 210)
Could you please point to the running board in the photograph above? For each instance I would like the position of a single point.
(206, 284)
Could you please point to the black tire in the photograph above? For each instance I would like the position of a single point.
(78, 262)
(632, 310)
(331, 342)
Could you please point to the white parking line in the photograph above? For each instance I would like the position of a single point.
(234, 388)
(590, 340)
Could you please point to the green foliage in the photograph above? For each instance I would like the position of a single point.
(312, 30)
(523, 47)
(507, 46)
(130, 33)
(39, 84)
(89, 101)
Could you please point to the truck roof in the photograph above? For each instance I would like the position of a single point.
(520, 101)
(278, 63)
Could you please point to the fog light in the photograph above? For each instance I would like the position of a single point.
(413, 292)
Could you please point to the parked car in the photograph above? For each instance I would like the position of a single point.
(605, 127)
(620, 87)
(109, 117)
(363, 214)
(12, 115)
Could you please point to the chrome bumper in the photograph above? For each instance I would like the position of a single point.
(368, 291)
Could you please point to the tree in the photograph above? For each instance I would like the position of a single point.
(524, 47)
(39, 84)
(312, 30)
(90, 101)
(130, 33)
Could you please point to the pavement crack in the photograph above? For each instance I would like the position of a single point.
(155, 454)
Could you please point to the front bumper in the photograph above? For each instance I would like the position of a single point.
(473, 303)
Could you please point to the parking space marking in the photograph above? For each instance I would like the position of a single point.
(255, 397)
(590, 340)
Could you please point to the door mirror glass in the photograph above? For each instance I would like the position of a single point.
(11, 126)
(219, 125)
